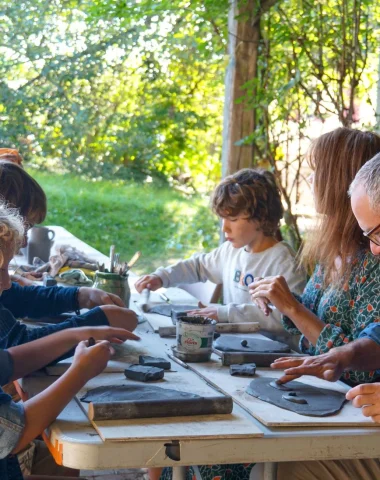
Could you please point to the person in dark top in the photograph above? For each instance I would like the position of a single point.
(22, 422)
(22, 192)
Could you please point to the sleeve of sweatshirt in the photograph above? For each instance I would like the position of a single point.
(14, 333)
(198, 268)
(35, 301)
(234, 313)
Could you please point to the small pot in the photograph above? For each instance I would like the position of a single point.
(195, 336)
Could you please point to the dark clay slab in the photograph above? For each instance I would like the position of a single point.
(144, 374)
(167, 308)
(239, 343)
(246, 369)
(298, 397)
(157, 362)
(147, 401)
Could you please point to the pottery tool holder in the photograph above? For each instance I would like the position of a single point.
(261, 359)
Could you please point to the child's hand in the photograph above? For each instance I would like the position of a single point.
(93, 297)
(151, 282)
(209, 312)
(114, 335)
(90, 361)
(120, 317)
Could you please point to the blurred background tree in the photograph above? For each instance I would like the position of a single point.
(135, 89)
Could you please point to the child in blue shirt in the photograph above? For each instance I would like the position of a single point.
(22, 422)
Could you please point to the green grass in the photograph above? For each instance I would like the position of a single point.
(164, 224)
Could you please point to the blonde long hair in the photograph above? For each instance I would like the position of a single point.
(336, 157)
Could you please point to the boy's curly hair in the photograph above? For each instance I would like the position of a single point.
(250, 191)
(11, 231)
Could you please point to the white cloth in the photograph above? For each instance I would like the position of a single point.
(235, 268)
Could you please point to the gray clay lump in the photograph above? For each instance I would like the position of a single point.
(245, 369)
(298, 397)
(143, 373)
(238, 343)
(154, 362)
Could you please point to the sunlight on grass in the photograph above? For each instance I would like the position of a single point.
(161, 222)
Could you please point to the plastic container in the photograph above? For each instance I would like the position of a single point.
(113, 283)
(194, 338)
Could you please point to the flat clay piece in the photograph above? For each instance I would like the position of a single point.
(167, 308)
(245, 369)
(237, 343)
(157, 362)
(143, 373)
(298, 397)
(133, 393)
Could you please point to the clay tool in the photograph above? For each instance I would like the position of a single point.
(165, 298)
(145, 303)
(177, 360)
(91, 341)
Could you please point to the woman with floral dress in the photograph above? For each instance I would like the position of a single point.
(342, 296)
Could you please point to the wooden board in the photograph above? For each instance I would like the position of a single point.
(269, 414)
(234, 425)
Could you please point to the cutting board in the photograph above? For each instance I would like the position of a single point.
(269, 414)
(231, 425)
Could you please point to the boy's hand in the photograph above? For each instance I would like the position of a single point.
(120, 317)
(111, 334)
(93, 297)
(151, 282)
(90, 361)
(209, 312)
(366, 397)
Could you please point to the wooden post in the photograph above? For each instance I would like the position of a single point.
(244, 35)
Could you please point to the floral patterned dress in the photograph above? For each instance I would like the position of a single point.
(346, 310)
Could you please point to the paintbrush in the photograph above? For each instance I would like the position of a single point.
(112, 257)
(132, 261)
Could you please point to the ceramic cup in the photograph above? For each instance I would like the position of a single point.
(40, 241)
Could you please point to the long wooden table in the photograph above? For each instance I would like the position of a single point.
(75, 442)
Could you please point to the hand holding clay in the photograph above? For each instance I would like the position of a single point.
(328, 366)
(93, 297)
(90, 361)
(276, 290)
(207, 312)
(151, 282)
(366, 397)
(111, 334)
(120, 317)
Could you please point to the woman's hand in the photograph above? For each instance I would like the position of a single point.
(366, 397)
(328, 366)
(276, 291)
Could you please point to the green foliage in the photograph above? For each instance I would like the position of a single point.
(164, 224)
(113, 89)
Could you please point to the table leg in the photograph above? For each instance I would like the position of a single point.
(270, 471)
(179, 473)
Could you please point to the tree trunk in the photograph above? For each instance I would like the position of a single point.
(239, 120)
